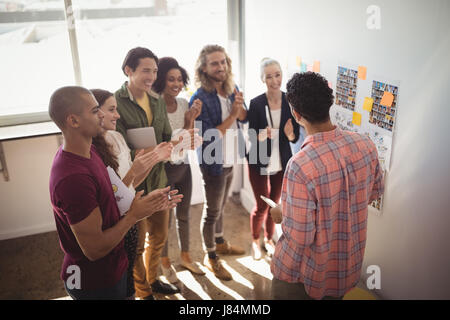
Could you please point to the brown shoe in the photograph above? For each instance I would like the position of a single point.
(215, 265)
(227, 248)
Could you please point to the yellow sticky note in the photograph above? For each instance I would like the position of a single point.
(362, 71)
(387, 99)
(316, 66)
(298, 61)
(356, 118)
(368, 103)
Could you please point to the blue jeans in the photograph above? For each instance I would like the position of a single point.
(117, 292)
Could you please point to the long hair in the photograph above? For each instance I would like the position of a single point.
(104, 149)
(202, 79)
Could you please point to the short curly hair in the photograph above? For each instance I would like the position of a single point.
(310, 96)
(164, 66)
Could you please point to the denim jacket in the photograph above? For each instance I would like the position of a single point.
(209, 119)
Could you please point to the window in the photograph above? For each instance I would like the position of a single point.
(36, 56)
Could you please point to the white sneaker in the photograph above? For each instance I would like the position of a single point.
(256, 251)
(269, 246)
(170, 273)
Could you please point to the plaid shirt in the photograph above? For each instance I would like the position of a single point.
(326, 190)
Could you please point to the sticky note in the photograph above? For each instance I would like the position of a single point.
(387, 99)
(309, 67)
(316, 66)
(298, 61)
(330, 84)
(303, 67)
(368, 103)
(362, 71)
(356, 118)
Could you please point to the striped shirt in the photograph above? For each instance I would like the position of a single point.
(326, 190)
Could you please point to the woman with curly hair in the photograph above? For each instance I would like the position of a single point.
(171, 79)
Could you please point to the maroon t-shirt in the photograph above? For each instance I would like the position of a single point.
(77, 186)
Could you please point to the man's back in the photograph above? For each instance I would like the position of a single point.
(326, 191)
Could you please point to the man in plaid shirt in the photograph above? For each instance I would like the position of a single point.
(326, 190)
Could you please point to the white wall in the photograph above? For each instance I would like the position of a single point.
(409, 239)
(25, 201)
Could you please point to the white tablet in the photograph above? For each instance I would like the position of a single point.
(142, 138)
(269, 201)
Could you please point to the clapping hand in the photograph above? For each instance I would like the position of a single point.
(289, 130)
(265, 134)
(157, 200)
(163, 150)
(193, 113)
(143, 162)
(237, 108)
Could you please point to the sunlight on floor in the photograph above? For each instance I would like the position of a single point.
(189, 281)
(212, 278)
(261, 267)
(239, 278)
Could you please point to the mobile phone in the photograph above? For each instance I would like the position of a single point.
(270, 202)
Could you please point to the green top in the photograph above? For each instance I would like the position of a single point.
(133, 116)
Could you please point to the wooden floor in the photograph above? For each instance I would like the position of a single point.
(30, 266)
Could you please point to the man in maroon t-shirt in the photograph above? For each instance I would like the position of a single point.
(87, 218)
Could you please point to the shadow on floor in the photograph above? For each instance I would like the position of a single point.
(30, 266)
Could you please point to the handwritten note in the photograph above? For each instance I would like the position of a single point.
(356, 118)
(387, 99)
(368, 103)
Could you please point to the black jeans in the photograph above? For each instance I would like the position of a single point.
(216, 192)
(180, 177)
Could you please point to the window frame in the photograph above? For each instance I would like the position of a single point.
(235, 25)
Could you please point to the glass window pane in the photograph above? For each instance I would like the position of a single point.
(106, 30)
(35, 56)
